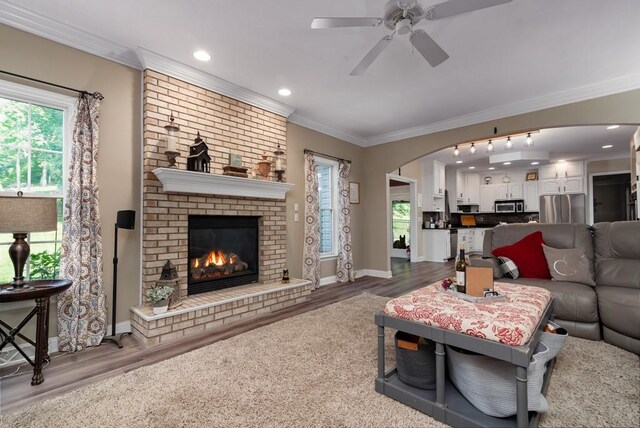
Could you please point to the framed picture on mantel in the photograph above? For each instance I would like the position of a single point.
(354, 192)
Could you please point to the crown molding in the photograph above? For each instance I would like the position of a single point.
(43, 26)
(307, 122)
(581, 93)
(164, 65)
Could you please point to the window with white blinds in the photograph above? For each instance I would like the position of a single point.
(327, 188)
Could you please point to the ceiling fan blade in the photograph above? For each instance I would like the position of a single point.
(371, 56)
(457, 7)
(319, 23)
(428, 48)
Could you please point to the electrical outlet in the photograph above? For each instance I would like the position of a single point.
(295, 217)
(295, 207)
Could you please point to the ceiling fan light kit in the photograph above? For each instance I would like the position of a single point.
(401, 16)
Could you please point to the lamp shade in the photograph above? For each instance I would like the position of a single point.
(22, 214)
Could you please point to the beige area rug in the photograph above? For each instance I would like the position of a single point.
(316, 369)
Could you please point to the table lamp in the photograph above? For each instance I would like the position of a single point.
(21, 215)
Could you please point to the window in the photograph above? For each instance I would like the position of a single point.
(33, 131)
(327, 189)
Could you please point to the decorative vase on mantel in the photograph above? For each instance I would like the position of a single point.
(264, 168)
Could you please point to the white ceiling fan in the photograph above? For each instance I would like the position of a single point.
(401, 16)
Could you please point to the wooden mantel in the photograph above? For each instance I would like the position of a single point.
(182, 181)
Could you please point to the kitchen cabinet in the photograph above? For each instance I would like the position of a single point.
(471, 194)
(472, 239)
(478, 240)
(436, 244)
(561, 170)
(487, 198)
(438, 178)
(531, 196)
(460, 185)
(567, 177)
(465, 237)
(562, 185)
(433, 185)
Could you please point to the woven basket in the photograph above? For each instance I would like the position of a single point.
(554, 341)
(490, 384)
(416, 367)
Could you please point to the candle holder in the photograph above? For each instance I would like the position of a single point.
(172, 141)
(171, 157)
(278, 163)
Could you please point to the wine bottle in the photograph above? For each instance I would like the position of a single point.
(461, 270)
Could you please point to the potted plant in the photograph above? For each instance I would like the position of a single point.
(159, 298)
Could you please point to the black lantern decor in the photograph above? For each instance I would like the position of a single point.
(169, 276)
(198, 159)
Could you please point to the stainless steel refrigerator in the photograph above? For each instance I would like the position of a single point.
(568, 208)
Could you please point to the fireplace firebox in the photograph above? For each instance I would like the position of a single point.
(223, 252)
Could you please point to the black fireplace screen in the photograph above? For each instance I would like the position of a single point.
(223, 252)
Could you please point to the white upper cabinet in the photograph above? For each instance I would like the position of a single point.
(487, 198)
(562, 170)
(433, 185)
(460, 185)
(567, 177)
(531, 196)
(472, 188)
(515, 191)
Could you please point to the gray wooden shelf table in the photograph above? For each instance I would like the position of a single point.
(446, 404)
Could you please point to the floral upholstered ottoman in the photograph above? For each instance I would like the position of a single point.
(510, 321)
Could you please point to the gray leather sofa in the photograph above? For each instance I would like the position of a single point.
(611, 309)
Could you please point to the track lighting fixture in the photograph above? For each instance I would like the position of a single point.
(529, 140)
(509, 144)
(473, 149)
(456, 152)
(490, 146)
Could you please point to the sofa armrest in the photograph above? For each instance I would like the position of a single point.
(491, 263)
(486, 244)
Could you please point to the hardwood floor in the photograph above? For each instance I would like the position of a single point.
(67, 372)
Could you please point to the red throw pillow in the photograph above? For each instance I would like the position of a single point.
(528, 255)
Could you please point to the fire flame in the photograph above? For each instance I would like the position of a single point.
(215, 257)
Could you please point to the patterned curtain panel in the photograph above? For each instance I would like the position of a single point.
(82, 312)
(344, 266)
(311, 251)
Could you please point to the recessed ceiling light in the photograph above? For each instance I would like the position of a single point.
(608, 146)
(507, 163)
(613, 126)
(472, 167)
(535, 163)
(284, 92)
(491, 168)
(201, 55)
(458, 161)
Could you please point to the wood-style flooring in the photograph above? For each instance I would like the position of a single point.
(67, 372)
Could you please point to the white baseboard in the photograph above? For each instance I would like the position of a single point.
(358, 274)
(9, 356)
(420, 259)
(377, 273)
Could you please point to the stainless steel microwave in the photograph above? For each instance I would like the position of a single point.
(510, 206)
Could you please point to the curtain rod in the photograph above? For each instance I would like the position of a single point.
(95, 94)
(326, 156)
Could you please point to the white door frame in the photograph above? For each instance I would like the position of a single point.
(413, 200)
(590, 190)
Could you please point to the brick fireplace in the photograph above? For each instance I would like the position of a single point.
(227, 126)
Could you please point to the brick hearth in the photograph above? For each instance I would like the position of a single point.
(205, 311)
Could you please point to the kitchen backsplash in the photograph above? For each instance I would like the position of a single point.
(493, 219)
